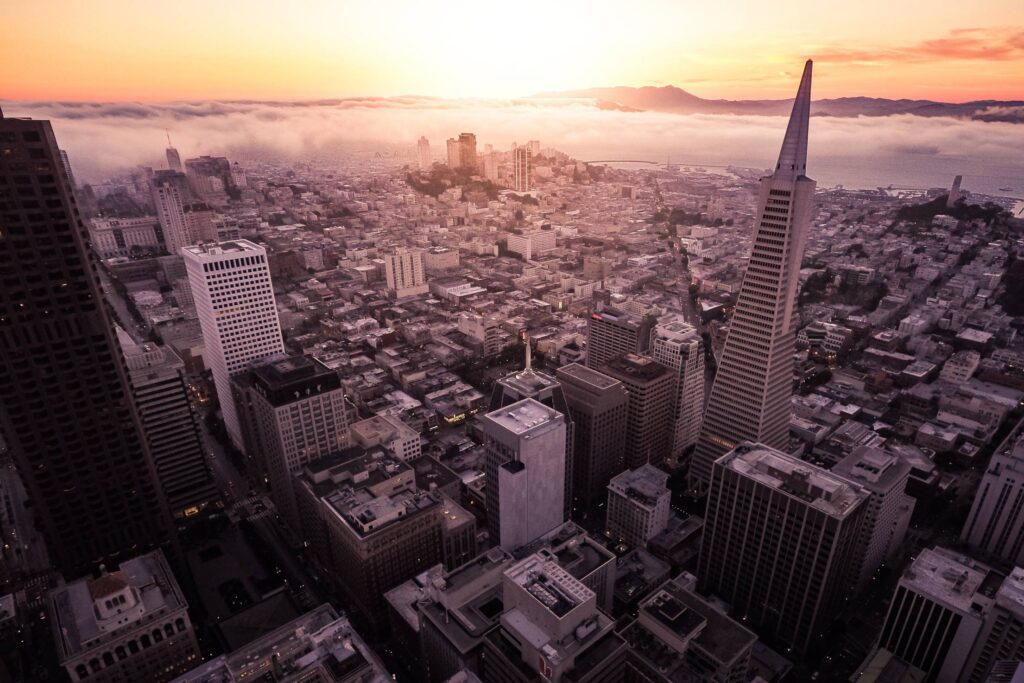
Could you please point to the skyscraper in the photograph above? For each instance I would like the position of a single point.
(678, 346)
(995, 524)
(750, 399)
(525, 469)
(234, 300)
(650, 387)
(521, 172)
(778, 538)
(298, 407)
(173, 158)
(423, 157)
(170, 425)
(66, 411)
(467, 151)
(404, 271)
(613, 332)
(545, 389)
(598, 406)
(937, 612)
(170, 195)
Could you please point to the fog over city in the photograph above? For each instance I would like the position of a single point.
(902, 150)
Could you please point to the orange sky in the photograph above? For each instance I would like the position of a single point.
(307, 49)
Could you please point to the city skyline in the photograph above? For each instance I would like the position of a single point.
(587, 386)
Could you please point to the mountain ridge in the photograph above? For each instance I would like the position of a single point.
(672, 99)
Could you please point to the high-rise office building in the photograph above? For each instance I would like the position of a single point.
(750, 399)
(938, 611)
(887, 512)
(545, 389)
(678, 347)
(297, 406)
(405, 274)
(1002, 635)
(170, 425)
(467, 151)
(995, 524)
(369, 525)
(639, 505)
(170, 195)
(522, 173)
(598, 406)
(453, 155)
(650, 387)
(130, 624)
(173, 158)
(66, 163)
(66, 411)
(614, 332)
(806, 525)
(234, 300)
(423, 158)
(525, 469)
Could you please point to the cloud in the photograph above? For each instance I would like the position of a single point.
(104, 139)
(985, 44)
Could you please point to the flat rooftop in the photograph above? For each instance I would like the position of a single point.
(221, 248)
(587, 376)
(634, 368)
(952, 578)
(549, 584)
(645, 484)
(813, 485)
(1011, 593)
(524, 416)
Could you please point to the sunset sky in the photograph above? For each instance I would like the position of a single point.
(109, 50)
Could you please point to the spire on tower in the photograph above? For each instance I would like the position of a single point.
(168, 137)
(793, 157)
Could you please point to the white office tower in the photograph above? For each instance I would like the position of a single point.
(678, 347)
(995, 524)
(937, 612)
(522, 174)
(750, 399)
(888, 510)
(423, 154)
(234, 300)
(639, 505)
(170, 195)
(405, 273)
(525, 468)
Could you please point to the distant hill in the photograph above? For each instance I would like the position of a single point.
(675, 100)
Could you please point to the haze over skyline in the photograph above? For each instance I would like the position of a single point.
(117, 51)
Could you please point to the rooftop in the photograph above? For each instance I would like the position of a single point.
(524, 416)
(645, 484)
(549, 584)
(955, 579)
(222, 248)
(587, 376)
(816, 486)
(634, 368)
(78, 623)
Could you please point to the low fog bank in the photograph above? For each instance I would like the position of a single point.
(105, 138)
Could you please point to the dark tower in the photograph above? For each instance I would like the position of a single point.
(65, 409)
